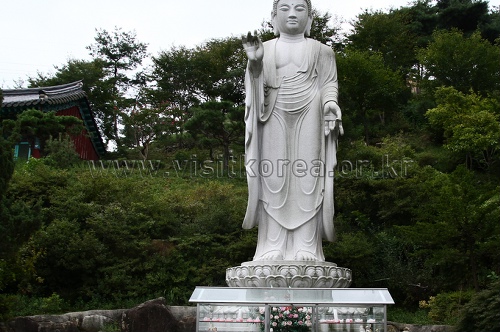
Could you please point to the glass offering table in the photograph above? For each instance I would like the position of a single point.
(291, 309)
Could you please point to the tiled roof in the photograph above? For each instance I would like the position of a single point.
(54, 95)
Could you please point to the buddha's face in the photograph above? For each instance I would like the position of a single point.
(292, 17)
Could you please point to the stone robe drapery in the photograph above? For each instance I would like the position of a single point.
(289, 160)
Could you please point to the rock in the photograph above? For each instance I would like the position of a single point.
(186, 318)
(392, 328)
(151, 316)
(398, 327)
(95, 323)
(44, 324)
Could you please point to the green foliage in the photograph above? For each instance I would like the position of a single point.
(52, 304)
(116, 238)
(398, 314)
(6, 164)
(21, 305)
(482, 313)
(388, 34)
(61, 152)
(119, 53)
(450, 58)
(372, 94)
(466, 16)
(471, 124)
(217, 124)
(6, 160)
(145, 125)
(446, 308)
(451, 227)
(7, 302)
(35, 125)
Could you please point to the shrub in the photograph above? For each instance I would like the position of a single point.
(61, 152)
(482, 313)
(7, 303)
(446, 308)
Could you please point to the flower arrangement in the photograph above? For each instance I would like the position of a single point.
(288, 319)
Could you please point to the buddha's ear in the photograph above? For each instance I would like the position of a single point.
(275, 24)
(308, 26)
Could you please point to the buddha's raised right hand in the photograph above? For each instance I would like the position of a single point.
(253, 48)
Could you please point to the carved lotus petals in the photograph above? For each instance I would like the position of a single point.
(301, 282)
(293, 274)
(276, 281)
(263, 270)
(314, 271)
(327, 282)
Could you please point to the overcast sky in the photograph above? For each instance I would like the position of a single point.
(37, 35)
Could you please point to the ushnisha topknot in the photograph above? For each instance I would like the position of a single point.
(308, 2)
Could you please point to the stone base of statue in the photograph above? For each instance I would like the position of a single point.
(295, 274)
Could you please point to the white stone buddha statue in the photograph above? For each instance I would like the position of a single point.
(292, 125)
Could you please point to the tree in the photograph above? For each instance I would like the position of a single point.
(481, 313)
(454, 230)
(145, 124)
(371, 93)
(175, 76)
(490, 26)
(6, 160)
(217, 122)
(389, 34)
(464, 15)
(470, 123)
(186, 78)
(464, 63)
(422, 20)
(120, 53)
(223, 63)
(211, 71)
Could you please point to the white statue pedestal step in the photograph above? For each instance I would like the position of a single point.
(295, 274)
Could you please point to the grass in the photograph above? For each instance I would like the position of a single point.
(419, 317)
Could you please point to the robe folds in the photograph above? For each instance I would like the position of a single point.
(289, 160)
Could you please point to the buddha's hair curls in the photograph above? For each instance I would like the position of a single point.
(308, 2)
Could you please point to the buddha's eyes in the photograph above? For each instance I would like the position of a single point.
(284, 8)
(299, 8)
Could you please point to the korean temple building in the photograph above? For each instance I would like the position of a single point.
(67, 99)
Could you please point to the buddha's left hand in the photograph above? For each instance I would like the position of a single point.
(333, 118)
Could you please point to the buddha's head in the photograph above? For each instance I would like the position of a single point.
(292, 17)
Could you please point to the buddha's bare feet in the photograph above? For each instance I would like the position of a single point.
(305, 256)
(273, 255)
